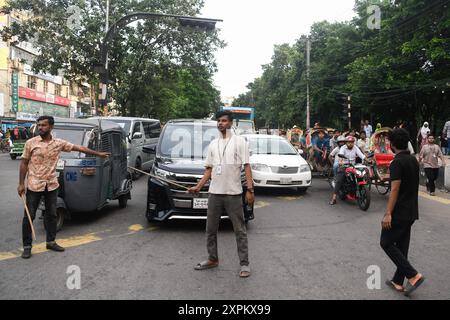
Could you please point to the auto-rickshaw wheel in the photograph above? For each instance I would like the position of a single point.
(13, 156)
(60, 217)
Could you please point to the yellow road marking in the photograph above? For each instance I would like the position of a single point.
(69, 242)
(261, 204)
(8, 255)
(135, 227)
(289, 198)
(74, 241)
(435, 198)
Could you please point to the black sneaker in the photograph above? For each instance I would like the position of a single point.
(26, 253)
(55, 247)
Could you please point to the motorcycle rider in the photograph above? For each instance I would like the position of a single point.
(340, 141)
(350, 152)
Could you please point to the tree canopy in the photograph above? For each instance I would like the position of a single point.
(158, 67)
(398, 72)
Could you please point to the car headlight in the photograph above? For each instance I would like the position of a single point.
(260, 167)
(304, 168)
(161, 173)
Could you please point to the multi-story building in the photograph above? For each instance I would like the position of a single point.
(24, 95)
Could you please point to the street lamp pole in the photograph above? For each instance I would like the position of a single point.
(186, 21)
(105, 85)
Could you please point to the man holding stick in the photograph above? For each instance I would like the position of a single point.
(39, 160)
(224, 161)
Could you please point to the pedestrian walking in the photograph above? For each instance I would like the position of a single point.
(368, 129)
(446, 134)
(429, 156)
(39, 160)
(401, 213)
(225, 157)
(422, 136)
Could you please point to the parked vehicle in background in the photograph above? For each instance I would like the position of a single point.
(243, 119)
(244, 126)
(87, 183)
(19, 136)
(139, 132)
(276, 163)
(180, 157)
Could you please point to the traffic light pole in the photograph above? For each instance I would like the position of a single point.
(349, 112)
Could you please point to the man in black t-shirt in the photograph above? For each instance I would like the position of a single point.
(402, 211)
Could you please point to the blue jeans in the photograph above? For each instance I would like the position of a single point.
(335, 168)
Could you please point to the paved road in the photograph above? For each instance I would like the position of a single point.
(300, 248)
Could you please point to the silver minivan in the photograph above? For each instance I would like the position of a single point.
(140, 132)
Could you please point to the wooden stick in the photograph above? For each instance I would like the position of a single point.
(160, 178)
(29, 216)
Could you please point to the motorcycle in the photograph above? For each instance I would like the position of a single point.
(355, 186)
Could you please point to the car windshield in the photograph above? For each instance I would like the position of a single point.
(245, 126)
(271, 146)
(75, 136)
(187, 140)
(124, 124)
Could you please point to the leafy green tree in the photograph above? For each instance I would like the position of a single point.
(142, 56)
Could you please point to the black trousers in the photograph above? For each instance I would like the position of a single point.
(432, 175)
(395, 242)
(33, 199)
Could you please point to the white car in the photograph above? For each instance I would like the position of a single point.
(276, 163)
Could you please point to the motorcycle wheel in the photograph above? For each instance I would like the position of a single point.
(364, 198)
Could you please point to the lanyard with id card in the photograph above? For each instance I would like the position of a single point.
(218, 168)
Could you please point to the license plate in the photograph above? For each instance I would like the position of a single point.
(60, 165)
(200, 203)
(285, 180)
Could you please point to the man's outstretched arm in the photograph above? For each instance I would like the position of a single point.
(90, 151)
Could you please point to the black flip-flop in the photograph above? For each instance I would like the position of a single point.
(411, 288)
(391, 285)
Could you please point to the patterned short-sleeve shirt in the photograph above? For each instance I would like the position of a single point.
(43, 158)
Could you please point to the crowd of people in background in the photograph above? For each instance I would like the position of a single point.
(430, 153)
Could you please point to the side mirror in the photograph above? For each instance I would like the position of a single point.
(137, 135)
(300, 151)
(149, 149)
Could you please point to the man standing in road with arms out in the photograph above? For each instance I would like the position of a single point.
(39, 160)
(401, 212)
(429, 156)
(224, 161)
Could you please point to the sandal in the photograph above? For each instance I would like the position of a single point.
(245, 272)
(208, 264)
(391, 285)
(411, 288)
(333, 202)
